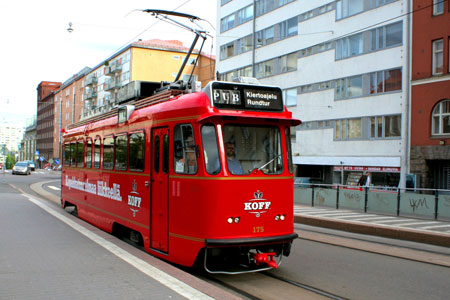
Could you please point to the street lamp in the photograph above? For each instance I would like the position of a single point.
(70, 29)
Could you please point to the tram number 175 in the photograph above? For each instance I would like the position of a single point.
(258, 229)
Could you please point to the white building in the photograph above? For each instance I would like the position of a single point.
(10, 138)
(344, 68)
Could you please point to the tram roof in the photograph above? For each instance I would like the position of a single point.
(174, 105)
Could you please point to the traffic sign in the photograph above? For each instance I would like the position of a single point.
(41, 158)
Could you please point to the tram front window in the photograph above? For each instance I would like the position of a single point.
(249, 148)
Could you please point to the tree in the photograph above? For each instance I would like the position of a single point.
(10, 162)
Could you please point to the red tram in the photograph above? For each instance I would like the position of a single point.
(203, 176)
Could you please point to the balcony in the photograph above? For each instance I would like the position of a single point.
(90, 80)
(90, 95)
(109, 85)
(113, 68)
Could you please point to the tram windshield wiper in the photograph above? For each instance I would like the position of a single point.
(270, 161)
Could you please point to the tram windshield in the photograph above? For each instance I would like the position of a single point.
(249, 148)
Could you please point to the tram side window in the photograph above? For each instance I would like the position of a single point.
(121, 151)
(73, 148)
(97, 153)
(156, 158)
(88, 153)
(108, 153)
(287, 131)
(165, 158)
(185, 154)
(137, 151)
(67, 154)
(210, 149)
(80, 154)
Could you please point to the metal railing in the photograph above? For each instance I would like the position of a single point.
(423, 203)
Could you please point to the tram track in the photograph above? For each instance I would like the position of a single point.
(266, 286)
(380, 248)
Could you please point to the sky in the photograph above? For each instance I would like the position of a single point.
(35, 45)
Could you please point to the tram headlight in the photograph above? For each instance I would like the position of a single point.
(230, 220)
(277, 217)
(282, 217)
(236, 220)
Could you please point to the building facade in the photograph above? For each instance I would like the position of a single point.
(98, 90)
(343, 67)
(28, 144)
(68, 107)
(45, 120)
(10, 138)
(430, 93)
(150, 61)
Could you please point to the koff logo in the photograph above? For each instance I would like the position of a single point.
(258, 205)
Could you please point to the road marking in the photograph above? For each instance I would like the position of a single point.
(325, 214)
(373, 219)
(393, 220)
(351, 215)
(54, 188)
(435, 226)
(416, 223)
(171, 282)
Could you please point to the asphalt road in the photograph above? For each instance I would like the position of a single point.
(347, 265)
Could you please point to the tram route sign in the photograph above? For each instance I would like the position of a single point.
(227, 95)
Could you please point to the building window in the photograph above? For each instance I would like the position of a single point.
(265, 6)
(276, 66)
(368, 84)
(237, 18)
(438, 7)
(438, 57)
(368, 41)
(385, 127)
(290, 97)
(441, 118)
(347, 8)
(347, 129)
(349, 87)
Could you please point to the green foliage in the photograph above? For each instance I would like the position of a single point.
(10, 162)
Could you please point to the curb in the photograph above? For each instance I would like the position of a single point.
(37, 187)
(425, 237)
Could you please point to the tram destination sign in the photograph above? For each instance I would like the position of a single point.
(226, 95)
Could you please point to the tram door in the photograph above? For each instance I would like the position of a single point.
(159, 229)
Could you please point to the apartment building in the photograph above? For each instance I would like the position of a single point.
(132, 73)
(343, 66)
(430, 93)
(141, 63)
(10, 137)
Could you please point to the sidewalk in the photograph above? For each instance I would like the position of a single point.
(404, 228)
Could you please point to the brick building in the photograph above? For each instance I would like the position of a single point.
(44, 125)
(68, 106)
(430, 94)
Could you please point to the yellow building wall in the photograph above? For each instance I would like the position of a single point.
(157, 65)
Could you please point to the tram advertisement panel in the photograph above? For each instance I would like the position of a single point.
(228, 95)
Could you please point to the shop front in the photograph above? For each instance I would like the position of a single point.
(379, 176)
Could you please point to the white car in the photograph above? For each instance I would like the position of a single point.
(21, 167)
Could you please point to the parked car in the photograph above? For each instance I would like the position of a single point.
(21, 167)
(32, 165)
